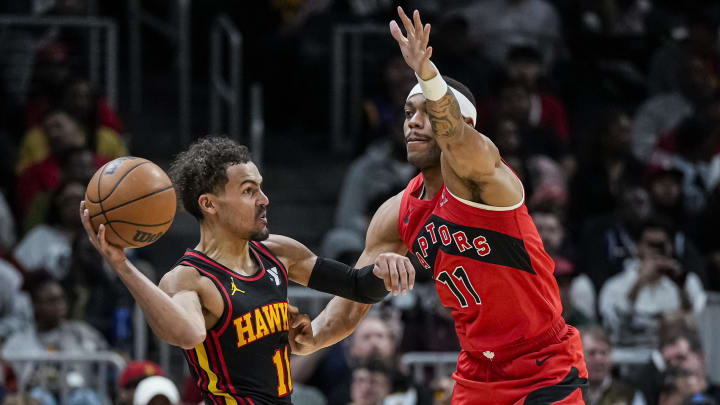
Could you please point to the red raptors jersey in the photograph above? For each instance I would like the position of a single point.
(489, 266)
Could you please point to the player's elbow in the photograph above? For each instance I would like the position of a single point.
(187, 339)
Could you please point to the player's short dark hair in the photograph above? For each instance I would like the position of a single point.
(202, 168)
(463, 89)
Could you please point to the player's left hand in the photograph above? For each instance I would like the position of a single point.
(302, 340)
(396, 271)
(414, 47)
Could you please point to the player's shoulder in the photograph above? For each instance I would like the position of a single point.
(384, 223)
(285, 248)
(180, 277)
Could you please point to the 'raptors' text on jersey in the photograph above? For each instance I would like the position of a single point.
(244, 359)
(488, 263)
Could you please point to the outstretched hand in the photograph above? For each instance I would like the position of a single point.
(414, 47)
(114, 255)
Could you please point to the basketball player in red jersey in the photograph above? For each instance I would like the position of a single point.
(225, 301)
(465, 220)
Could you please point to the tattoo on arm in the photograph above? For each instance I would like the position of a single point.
(445, 116)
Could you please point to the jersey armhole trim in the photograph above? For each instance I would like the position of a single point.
(485, 206)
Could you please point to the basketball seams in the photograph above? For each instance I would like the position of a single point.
(124, 227)
(104, 211)
(117, 183)
(120, 221)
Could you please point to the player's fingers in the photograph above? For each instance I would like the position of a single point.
(409, 29)
(101, 237)
(397, 33)
(410, 271)
(426, 35)
(417, 24)
(85, 219)
(394, 277)
(403, 275)
(381, 271)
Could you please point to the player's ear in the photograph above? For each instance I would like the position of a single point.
(206, 204)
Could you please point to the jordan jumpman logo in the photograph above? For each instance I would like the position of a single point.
(234, 287)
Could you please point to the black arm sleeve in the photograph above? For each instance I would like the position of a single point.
(339, 279)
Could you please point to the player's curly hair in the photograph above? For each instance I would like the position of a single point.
(202, 168)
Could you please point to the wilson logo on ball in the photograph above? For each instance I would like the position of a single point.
(112, 166)
(143, 237)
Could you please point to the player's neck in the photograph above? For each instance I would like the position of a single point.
(226, 249)
(433, 181)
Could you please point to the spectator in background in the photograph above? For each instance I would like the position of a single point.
(607, 166)
(502, 24)
(331, 369)
(677, 370)
(134, 373)
(665, 187)
(604, 388)
(524, 65)
(694, 149)
(371, 383)
(59, 125)
(699, 38)
(442, 390)
(49, 246)
(94, 290)
(381, 112)
(36, 184)
(652, 284)
(156, 390)
(7, 226)
(459, 56)
(50, 72)
(15, 313)
(52, 331)
(709, 243)
(663, 112)
(513, 101)
(577, 293)
(81, 99)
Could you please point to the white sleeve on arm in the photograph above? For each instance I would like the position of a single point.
(614, 305)
(696, 292)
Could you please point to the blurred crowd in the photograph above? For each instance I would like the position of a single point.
(608, 110)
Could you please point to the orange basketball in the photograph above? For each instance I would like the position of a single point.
(135, 200)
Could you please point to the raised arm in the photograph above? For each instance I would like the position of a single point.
(176, 310)
(341, 316)
(471, 163)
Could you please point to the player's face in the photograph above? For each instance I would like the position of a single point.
(423, 151)
(243, 205)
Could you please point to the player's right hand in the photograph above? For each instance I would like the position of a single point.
(396, 271)
(114, 255)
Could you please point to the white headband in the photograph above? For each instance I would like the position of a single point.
(467, 109)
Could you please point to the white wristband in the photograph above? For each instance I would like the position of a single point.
(435, 88)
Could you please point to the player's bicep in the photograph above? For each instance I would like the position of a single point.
(193, 293)
(383, 235)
